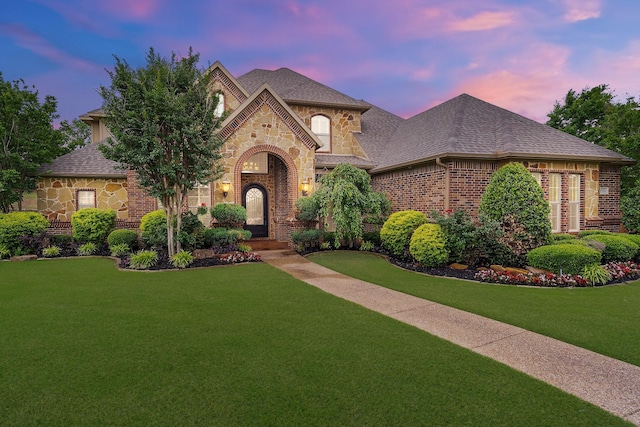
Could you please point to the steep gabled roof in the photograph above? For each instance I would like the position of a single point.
(87, 161)
(295, 88)
(469, 127)
(377, 127)
(220, 73)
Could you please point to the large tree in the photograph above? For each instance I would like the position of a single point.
(75, 134)
(163, 122)
(595, 115)
(28, 139)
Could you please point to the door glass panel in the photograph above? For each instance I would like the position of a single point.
(255, 207)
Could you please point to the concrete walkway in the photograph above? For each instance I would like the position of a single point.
(608, 383)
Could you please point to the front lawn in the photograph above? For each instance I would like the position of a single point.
(604, 320)
(84, 344)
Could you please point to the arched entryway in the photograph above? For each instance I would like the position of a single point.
(269, 177)
(256, 201)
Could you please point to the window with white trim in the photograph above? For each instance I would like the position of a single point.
(574, 202)
(85, 199)
(321, 126)
(538, 177)
(199, 196)
(555, 201)
(219, 111)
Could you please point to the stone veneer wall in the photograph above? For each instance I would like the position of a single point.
(343, 125)
(57, 196)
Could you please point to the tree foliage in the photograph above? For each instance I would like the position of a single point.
(27, 137)
(75, 135)
(345, 195)
(162, 117)
(515, 199)
(595, 115)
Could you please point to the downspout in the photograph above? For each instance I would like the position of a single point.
(447, 182)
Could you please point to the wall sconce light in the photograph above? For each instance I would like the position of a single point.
(225, 186)
(305, 186)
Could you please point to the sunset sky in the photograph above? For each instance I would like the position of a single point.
(402, 55)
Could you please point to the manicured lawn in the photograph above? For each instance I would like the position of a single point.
(605, 320)
(84, 344)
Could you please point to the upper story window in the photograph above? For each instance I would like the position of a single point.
(321, 126)
(220, 107)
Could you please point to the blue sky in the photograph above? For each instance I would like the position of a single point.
(402, 55)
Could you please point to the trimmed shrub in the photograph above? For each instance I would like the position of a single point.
(307, 238)
(153, 227)
(128, 237)
(87, 249)
(51, 252)
(515, 199)
(396, 232)
(17, 229)
(142, 260)
(460, 235)
(560, 237)
(121, 249)
(616, 248)
(567, 259)
(427, 245)
(182, 259)
(635, 238)
(229, 215)
(585, 233)
(93, 224)
(219, 237)
(307, 210)
(192, 231)
(579, 242)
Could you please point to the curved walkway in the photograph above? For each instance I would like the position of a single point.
(608, 383)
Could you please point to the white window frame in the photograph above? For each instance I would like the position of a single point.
(321, 127)
(574, 202)
(85, 199)
(555, 201)
(219, 111)
(201, 193)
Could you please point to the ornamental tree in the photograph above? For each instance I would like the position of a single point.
(345, 195)
(516, 201)
(27, 137)
(162, 118)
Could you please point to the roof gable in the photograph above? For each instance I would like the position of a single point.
(295, 88)
(265, 95)
(220, 73)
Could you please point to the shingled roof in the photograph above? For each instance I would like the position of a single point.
(295, 88)
(87, 161)
(469, 127)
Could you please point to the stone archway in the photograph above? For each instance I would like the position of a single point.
(285, 187)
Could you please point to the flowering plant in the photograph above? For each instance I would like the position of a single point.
(545, 280)
(237, 257)
(623, 270)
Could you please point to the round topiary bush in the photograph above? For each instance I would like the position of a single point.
(396, 232)
(567, 258)
(427, 245)
(515, 199)
(15, 227)
(153, 228)
(617, 248)
(92, 224)
(128, 237)
(229, 215)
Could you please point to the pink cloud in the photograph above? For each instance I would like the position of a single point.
(580, 10)
(33, 42)
(483, 21)
(138, 10)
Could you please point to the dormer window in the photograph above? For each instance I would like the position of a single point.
(321, 126)
(220, 106)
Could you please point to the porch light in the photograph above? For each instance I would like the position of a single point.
(225, 186)
(305, 186)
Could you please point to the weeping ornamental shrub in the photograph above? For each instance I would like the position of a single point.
(396, 232)
(427, 245)
(93, 224)
(15, 226)
(515, 199)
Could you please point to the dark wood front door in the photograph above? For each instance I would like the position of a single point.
(254, 199)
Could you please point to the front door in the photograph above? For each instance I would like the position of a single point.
(254, 199)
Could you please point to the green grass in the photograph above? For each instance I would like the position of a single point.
(84, 344)
(604, 319)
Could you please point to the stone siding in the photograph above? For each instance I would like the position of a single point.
(57, 196)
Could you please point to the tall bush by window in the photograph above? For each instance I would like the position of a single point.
(93, 224)
(516, 201)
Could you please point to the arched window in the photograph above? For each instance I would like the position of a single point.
(321, 126)
(220, 107)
